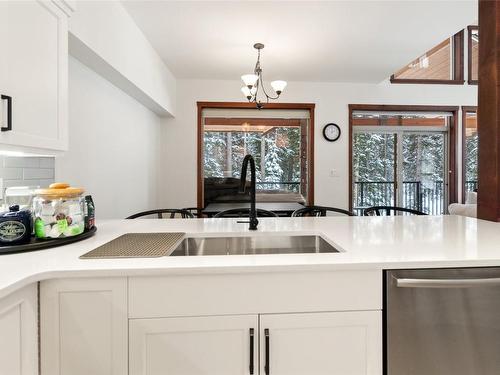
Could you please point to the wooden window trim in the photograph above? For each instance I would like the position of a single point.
(252, 121)
(470, 81)
(465, 110)
(452, 157)
(237, 105)
(458, 66)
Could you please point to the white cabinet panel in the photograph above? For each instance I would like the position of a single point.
(339, 343)
(255, 293)
(34, 73)
(193, 346)
(84, 326)
(18, 333)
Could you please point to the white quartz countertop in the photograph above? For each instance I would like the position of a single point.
(364, 242)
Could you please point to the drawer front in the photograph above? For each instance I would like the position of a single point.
(254, 293)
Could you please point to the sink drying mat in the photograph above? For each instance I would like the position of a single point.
(137, 245)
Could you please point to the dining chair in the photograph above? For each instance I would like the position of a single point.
(173, 212)
(319, 211)
(244, 212)
(390, 210)
(195, 211)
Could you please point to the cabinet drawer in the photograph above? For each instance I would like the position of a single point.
(254, 293)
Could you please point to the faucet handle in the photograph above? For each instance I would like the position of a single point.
(253, 223)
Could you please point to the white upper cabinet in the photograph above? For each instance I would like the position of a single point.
(34, 73)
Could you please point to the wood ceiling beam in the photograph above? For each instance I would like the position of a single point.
(489, 111)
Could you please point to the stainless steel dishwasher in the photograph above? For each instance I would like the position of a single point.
(442, 321)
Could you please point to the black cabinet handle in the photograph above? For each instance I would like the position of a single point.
(252, 335)
(266, 365)
(9, 113)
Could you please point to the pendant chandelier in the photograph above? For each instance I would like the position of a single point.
(253, 83)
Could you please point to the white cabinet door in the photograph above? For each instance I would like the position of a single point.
(338, 343)
(18, 333)
(213, 345)
(84, 326)
(34, 72)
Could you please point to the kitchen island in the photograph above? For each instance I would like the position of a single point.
(115, 316)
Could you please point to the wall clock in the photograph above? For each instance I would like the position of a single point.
(331, 132)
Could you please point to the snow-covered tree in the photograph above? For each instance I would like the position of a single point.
(272, 160)
(215, 147)
(276, 152)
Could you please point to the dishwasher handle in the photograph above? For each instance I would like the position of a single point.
(447, 283)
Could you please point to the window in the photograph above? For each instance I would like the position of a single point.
(441, 64)
(280, 140)
(470, 149)
(473, 54)
(400, 156)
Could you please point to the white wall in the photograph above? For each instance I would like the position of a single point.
(105, 37)
(113, 146)
(178, 178)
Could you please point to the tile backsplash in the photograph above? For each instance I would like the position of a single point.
(27, 171)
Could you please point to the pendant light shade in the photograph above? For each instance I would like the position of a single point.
(278, 86)
(250, 80)
(246, 92)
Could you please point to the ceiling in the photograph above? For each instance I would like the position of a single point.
(329, 41)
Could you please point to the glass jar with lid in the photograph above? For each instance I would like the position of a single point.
(58, 211)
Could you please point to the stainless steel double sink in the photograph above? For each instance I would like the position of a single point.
(253, 245)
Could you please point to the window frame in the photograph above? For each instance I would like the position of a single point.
(458, 66)
(465, 110)
(245, 105)
(452, 156)
(470, 81)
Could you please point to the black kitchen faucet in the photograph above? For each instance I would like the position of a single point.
(253, 212)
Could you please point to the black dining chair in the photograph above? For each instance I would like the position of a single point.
(172, 212)
(244, 212)
(195, 211)
(319, 211)
(390, 210)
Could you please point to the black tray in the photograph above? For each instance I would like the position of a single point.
(39, 244)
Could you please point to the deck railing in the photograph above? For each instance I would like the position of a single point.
(471, 185)
(285, 186)
(428, 198)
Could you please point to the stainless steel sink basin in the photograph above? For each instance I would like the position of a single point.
(253, 245)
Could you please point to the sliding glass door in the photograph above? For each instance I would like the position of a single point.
(423, 178)
(400, 160)
(374, 169)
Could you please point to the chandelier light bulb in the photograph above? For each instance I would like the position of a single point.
(278, 86)
(249, 80)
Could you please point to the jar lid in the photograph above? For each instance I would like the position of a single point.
(60, 190)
